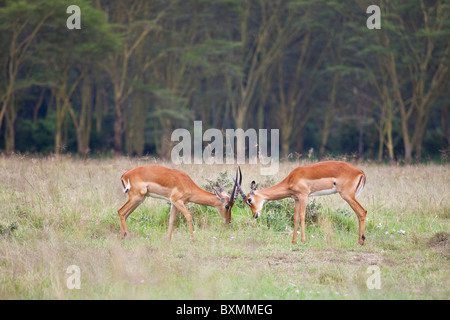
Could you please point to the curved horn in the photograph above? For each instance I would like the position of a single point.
(238, 185)
(240, 176)
(233, 195)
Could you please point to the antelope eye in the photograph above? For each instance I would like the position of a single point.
(249, 201)
(227, 207)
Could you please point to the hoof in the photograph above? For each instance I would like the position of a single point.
(361, 241)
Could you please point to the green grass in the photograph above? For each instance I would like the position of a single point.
(60, 212)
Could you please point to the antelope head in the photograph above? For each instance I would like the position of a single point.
(253, 200)
(228, 200)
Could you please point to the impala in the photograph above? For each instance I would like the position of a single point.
(174, 186)
(318, 179)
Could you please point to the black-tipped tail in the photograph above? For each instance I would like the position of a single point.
(126, 187)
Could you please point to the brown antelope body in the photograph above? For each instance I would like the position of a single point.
(174, 186)
(322, 178)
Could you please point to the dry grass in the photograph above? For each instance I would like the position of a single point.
(57, 212)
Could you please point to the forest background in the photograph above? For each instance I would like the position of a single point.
(137, 70)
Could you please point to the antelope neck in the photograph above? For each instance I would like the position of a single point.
(205, 198)
(276, 192)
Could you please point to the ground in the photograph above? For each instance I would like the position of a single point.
(56, 212)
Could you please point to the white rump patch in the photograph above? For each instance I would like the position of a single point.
(324, 192)
(361, 186)
(127, 187)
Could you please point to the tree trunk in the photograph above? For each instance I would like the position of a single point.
(389, 142)
(83, 123)
(118, 130)
(329, 112)
(444, 124)
(60, 115)
(10, 120)
(285, 145)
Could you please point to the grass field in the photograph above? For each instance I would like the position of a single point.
(58, 212)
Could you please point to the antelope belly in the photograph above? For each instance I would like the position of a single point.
(324, 192)
(154, 195)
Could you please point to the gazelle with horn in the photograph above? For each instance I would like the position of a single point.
(322, 178)
(174, 186)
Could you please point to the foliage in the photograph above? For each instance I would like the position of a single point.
(222, 181)
(279, 215)
(137, 70)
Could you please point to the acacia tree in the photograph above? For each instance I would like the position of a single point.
(305, 47)
(412, 68)
(407, 64)
(261, 41)
(134, 28)
(212, 60)
(193, 56)
(21, 22)
(66, 58)
(424, 57)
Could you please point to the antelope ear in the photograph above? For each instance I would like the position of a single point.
(253, 187)
(218, 195)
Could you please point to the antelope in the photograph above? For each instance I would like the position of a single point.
(318, 179)
(174, 186)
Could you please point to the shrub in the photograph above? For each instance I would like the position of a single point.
(279, 215)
